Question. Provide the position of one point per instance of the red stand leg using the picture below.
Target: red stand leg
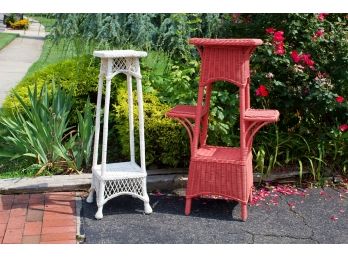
(251, 196)
(188, 206)
(244, 212)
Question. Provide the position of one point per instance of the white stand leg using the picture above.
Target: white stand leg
(100, 200)
(99, 213)
(90, 197)
(147, 207)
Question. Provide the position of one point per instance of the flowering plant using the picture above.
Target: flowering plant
(20, 24)
(306, 55)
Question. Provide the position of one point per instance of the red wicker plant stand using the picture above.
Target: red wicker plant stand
(224, 172)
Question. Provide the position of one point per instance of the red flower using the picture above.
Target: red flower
(339, 99)
(262, 91)
(270, 30)
(295, 56)
(280, 50)
(321, 16)
(306, 58)
(319, 32)
(343, 127)
(278, 36)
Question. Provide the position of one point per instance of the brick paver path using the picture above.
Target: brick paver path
(38, 218)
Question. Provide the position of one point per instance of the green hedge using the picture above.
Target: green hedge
(77, 75)
(166, 141)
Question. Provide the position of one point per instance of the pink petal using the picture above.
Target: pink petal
(291, 205)
(334, 218)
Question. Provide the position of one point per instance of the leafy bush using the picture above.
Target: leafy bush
(301, 70)
(166, 142)
(80, 76)
(302, 66)
(41, 131)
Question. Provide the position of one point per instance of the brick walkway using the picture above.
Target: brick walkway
(38, 218)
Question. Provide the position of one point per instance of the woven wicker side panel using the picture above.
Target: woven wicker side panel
(219, 179)
(125, 185)
(228, 64)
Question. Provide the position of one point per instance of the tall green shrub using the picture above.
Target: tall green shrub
(166, 142)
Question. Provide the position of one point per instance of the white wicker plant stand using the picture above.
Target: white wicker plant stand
(110, 180)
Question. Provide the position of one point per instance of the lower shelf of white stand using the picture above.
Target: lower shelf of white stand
(119, 170)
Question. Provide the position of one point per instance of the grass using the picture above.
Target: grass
(6, 38)
(52, 53)
(17, 168)
(44, 20)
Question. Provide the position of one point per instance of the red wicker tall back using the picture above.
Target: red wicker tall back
(214, 170)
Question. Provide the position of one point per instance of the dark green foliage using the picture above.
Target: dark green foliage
(166, 142)
(160, 32)
(307, 135)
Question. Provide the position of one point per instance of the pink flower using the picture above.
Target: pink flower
(278, 36)
(319, 32)
(321, 16)
(262, 91)
(343, 127)
(339, 99)
(322, 75)
(295, 56)
(270, 30)
(270, 75)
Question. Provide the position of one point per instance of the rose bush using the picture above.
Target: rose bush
(307, 57)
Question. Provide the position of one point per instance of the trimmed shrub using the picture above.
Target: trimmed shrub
(166, 142)
(77, 75)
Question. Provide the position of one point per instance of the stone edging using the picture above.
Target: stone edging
(80, 183)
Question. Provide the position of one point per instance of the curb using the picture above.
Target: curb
(156, 180)
(159, 179)
(80, 234)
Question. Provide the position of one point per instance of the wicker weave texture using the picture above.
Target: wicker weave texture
(220, 178)
(113, 179)
(224, 172)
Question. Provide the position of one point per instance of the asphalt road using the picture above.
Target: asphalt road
(319, 216)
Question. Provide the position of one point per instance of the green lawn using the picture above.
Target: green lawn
(53, 53)
(6, 38)
(44, 20)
